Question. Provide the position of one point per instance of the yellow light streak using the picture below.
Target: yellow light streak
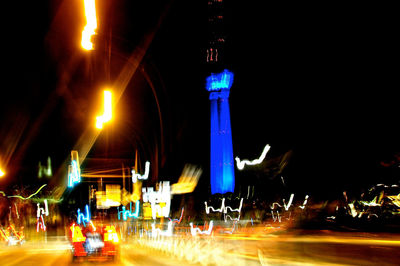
(107, 115)
(18, 196)
(2, 173)
(91, 24)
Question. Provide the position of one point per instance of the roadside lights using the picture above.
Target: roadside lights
(107, 114)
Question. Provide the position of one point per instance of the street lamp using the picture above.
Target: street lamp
(2, 173)
(107, 113)
(91, 24)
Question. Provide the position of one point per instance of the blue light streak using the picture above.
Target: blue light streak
(129, 213)
(82, 218)
(74, 175)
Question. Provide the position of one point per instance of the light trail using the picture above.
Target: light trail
(23, 198)
(241, 163)
(107, 114)
(158, 232)
(194, 231)
(91, 24)
(137, 176)
(223, 209)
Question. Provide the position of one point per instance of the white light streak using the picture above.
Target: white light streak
(241, 163)
(196, 230)
(158, 232)
(137, 176)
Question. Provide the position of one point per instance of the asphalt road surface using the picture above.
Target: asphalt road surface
(287, 248)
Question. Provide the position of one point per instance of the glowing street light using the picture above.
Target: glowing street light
(2, 173)
(107, 115)
(91, 24)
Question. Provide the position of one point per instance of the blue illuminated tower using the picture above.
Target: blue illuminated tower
(222, 173)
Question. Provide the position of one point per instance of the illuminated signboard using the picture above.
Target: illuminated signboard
(160, 200)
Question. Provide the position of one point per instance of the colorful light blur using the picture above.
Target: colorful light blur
(187, 181)
(177, 221)
(73, 174)
(91, 24)
(30, 196)
(222, 176)
(241, 163)
(111, 234)
(155, 232)
(160, 200)
(107, 112)
(77, 235)
(39, 216)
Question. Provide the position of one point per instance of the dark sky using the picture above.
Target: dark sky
(317, 80)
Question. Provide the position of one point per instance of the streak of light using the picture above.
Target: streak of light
(2, 173)
(137, 176)
(89, 136)
(178, 221)
(284, 203)
(91, 24)
(304, 203)
(18, 196)
(223, 208)
(194, 231)
(82, 217)
(158, 232)
(107, 113)
(187, 181)
(39, 216)
(129, 213)
(241, 163)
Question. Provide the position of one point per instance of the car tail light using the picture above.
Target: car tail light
(111, 234)
(77, 235)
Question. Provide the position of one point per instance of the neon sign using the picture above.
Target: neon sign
(82, 218)
(128, 213)
(39, 216)
(136, 176)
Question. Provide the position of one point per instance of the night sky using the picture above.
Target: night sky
(317, 81)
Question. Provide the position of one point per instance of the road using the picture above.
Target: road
(286, 248)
